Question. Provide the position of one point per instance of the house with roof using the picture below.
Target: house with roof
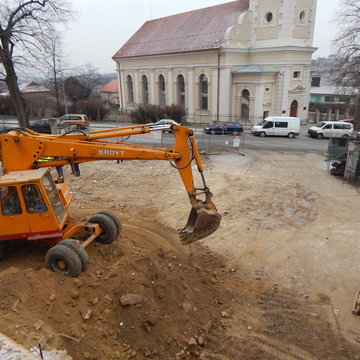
(110, 92)
(242, 60)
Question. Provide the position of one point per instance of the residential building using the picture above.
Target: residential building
(110, 92)
(243, 60)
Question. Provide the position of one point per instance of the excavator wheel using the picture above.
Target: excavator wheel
(114, 218)
(75, 245)
(108, 227)
(2, 249)
(64, 260)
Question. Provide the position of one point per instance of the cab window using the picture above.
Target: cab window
(327, 126)
(53, 196)
(33, 200)
(10, 202)
(268, 125)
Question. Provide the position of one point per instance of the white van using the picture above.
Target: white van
(278, 126)
(327, 129)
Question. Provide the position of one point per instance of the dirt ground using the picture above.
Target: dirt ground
(276, 281)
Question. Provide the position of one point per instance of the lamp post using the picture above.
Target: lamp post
(63, 87)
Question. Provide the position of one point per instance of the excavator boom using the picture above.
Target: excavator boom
(23, 150)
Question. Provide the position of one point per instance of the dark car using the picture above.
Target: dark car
(41, 126)
(224, 128)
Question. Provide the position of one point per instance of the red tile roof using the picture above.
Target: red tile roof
(201, 29)
(110, 87)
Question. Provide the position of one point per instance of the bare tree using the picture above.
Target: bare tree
(24, 25)
(88, 75)
(347, 57)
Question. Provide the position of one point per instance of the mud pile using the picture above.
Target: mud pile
(144, 296)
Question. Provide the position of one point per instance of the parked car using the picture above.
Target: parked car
(327, 129)
(41, 126)
(224, 128)
(81, 121)
(165, 122)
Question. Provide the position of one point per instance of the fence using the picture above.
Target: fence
(206, 142)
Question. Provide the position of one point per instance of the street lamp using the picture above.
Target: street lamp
(63, 87)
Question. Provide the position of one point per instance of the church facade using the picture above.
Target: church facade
(242, 60)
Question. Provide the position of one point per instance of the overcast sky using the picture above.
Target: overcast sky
(103, 26)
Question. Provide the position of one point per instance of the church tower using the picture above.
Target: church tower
(282, 22)
(281, 35)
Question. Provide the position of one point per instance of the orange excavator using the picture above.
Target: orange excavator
(34, 207)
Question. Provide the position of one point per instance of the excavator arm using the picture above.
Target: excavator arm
(22, 150)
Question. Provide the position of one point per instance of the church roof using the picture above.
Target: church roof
(255, 69)
(196, 30)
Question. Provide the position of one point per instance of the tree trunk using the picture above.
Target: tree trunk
(16, 96)
(13, 88)
(357, 115)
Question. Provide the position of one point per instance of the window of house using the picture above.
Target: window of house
(181, 90)
(297, 74)
(329, 98)
(269, 17)
(130, 88)
(162, 96)
(145, 89)
(245, 102)
(267, 89)
(204, 88)
(302, 17)
(344, 99)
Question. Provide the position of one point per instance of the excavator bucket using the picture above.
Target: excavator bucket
(201, 223)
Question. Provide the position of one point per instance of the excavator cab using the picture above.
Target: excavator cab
(31, 205)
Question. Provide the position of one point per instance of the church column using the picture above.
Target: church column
(190, 92)
(224, 98)
(137, 88)
(259, 102)
(214, 100)
(120, 76)
(152, 88)
(170, 86)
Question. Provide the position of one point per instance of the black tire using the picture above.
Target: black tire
(2, 249)
(75, 245)
(262, 134)
(114, 218)
(291, 135)
(345, 136)
(212, 132)
(107, 225)
(64, 260)
(319, 135)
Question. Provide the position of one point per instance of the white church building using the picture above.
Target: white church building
(242, 60)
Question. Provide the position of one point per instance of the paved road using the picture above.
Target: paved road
(247, 141)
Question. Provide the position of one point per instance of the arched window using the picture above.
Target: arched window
(204, 87)
(245, 102)
(181, 90)
(162, 96)
(130, 88)
(145, 89)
